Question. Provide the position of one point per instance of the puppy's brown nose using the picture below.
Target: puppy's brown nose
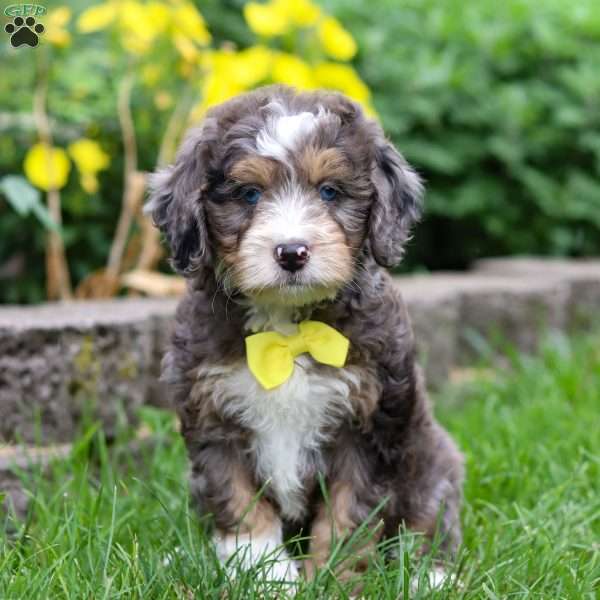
(292, 257)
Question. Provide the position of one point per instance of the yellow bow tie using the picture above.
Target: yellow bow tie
(270, 355)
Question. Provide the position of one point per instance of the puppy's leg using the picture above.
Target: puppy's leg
(247, 528)
(435, 496)
(257, 535)
(432, 501)
(423, 491)
(351, 498)
(334, 521)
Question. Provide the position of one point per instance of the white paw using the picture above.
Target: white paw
(246, 551)
(437, 577)
(169, 558)
(282, 569)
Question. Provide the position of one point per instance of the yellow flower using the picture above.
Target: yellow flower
(292, 70)
(89, 182)
(159, 15)
(189, 32)
(343, 78)
(229, 73)
(88, 155)
(47, 167)
(138, 27)
(89, 159)
(188, 22)
(97, 17)
(216, 89)
(267, 20)
(55, 23)
(300, 12)
(251, 66)
(138, 24)
(242, 69)
(278, 16)
(185, 47)
(336, 41)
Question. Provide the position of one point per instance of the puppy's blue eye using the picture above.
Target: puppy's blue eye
(252, 195)
(327, 193)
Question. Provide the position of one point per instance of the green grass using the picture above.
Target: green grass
(116, 524)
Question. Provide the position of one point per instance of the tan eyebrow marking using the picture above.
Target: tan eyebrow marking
(321, 164)
(255, 169)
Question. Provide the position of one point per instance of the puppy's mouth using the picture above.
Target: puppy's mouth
(295, 280)
(294, 289)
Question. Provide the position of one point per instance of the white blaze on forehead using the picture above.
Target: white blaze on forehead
(283, 133)
(288, 217)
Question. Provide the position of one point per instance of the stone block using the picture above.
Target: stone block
(61, 362)
(16, 460)
(494, 311)
(434, 316)
(582, 277)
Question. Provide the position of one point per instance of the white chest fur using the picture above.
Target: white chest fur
(288, 422)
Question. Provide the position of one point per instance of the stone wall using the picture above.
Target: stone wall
(499, 304)
(61, 364)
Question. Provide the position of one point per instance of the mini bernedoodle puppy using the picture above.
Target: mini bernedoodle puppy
(282, 210)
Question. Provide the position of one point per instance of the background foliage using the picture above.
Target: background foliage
(496, 104)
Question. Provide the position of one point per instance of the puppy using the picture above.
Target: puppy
(283, 209)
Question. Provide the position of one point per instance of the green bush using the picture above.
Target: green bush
(497, 105)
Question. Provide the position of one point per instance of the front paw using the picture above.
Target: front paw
(262, 551)
(349, 575)
(282, 569)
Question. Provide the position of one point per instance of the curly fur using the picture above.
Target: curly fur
(367, 429)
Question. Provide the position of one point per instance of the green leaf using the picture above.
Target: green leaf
(432, 156)
(25, 199)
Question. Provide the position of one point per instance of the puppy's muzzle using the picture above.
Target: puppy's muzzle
(292, 256)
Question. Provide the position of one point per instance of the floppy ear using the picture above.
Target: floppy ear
(397, 205)
(176, 202)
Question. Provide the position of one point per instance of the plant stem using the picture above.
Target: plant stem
(151, 250)
(58, 280)
(133, 187)
(176, 122)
